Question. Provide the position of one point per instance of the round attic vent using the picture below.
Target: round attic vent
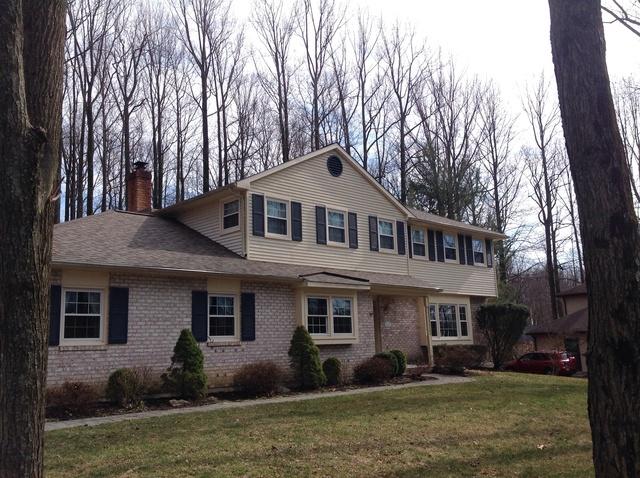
(334, 165)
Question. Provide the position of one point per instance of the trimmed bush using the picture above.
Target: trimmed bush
(402, 361)
(71, 399)
(185, 377)
(393, 360)
(373, 370)
(332, 368)
(127, 386)
(502, 325)
(259, 379)
(305, 360)
(456, 358)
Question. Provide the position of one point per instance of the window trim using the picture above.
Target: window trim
(393, 235)
(423, 243)
(455, 247)
(273, 235)
(83, 341)
(235, 228)
(236, 318)
(458, 337)
(345, 228)
(330, 326)
(484, 252)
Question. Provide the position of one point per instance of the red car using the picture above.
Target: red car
(549, 363)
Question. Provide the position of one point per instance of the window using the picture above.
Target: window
(433, 320)
(448, 323)
(330, 315)
(317, 316)
(335, 224)
(385, 234)
(464, 325)
(417, 236)
(450, 247)
(231, 214)
(222, 317)
(478, 251)
(277, 217)
(82, 314)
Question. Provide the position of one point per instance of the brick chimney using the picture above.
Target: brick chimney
(139, 188)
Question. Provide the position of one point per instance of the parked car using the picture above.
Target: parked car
(549, 363)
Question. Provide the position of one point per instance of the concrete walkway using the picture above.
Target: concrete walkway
(225, 405)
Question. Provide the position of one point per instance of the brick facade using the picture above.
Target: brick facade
(399, 326)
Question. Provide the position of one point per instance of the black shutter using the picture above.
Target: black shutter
(461, 249)
(353, 230)
(118, 315)
(247, 316)
(488, 246)
(257, 214)
(199, 315)
(321, 225)
(469, 246)
(296, 221)
(410, 239)
(432, 245)
(440, 246)
(373, 233)
(55, 305)
(401, 238)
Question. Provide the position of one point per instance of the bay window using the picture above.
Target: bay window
(330, 316)
(448, 321)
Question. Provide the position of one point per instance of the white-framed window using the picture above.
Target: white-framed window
(419, 246)
(277, 217)
(223, 317)
(330, 316)
(386, 238)
(336, 229)
(231, 215)
(449, 321)
(478, 251)
(82, 316)
(450, 250)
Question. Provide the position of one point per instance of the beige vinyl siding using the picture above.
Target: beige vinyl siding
(455, 278)
(310, 183)
(206, 219)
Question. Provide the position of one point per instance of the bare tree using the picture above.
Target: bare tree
(32, 36)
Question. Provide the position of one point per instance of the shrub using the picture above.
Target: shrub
(332, 368)
(71, 398)
(502, 324)
(402, 361)
(258, 379)
(305, 360)
(373, 370)
(456, 358)
(127, 386)
(393, 360)
(185, 376)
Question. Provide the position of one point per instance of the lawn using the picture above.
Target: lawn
(498, 425)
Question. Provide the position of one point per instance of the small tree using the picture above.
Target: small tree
(502, 325)
(186, 374)
(305, 360)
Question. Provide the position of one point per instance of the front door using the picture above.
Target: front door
(377, 317)
(572, 346)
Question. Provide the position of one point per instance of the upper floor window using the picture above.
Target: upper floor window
(417, 236)
(222, 316)
(329, 315)
(82, 318)
(478, 251)
(277, 217)
(231, 214)
(450, 251)
(336, 227)
(385, 234)
(448, 321)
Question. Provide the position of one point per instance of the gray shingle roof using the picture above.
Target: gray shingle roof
(572, 323)
(116, 239)
(445, 222)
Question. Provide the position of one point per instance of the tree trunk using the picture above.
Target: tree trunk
(609, 228)
(205, 132)
(31, 72)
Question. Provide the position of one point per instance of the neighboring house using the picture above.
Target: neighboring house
(314, 242)
(569, 332)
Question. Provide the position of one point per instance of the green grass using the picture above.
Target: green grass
(499, 425)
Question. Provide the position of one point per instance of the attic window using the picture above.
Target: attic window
(231, 214)
(334, 165)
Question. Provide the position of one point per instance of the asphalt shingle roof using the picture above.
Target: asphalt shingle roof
(572, 323)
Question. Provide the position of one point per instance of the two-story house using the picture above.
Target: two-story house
(315, 241)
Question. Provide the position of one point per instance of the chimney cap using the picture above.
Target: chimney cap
(140, 165)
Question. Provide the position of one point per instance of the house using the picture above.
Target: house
(569, 332)
(315, 241)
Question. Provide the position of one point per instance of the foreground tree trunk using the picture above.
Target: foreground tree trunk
(609, 228)
(31, 74)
